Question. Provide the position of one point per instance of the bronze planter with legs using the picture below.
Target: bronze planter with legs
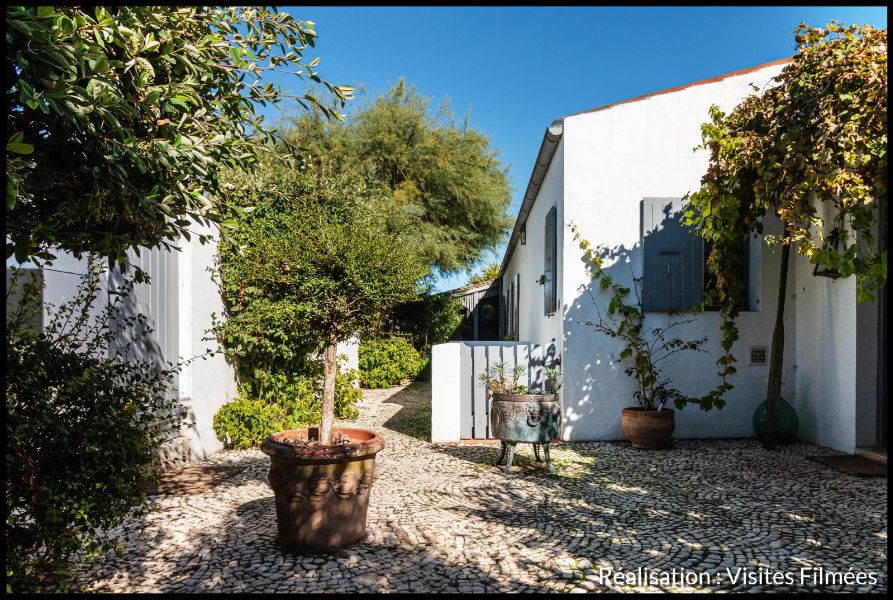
(322, 491)
(534, 418)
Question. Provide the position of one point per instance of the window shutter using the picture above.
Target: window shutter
(510, 313)
(673, 257)
(516, 330)
(549, 254)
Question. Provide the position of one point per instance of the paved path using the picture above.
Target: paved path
(442, 518)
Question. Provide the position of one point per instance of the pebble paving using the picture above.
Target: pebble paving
(717, 515)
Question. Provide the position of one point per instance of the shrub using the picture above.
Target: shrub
(280, 403)
(424, 372)
(387, 362)
(82, 429)
(431, 319)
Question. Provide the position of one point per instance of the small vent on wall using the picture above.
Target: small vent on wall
(758, 355)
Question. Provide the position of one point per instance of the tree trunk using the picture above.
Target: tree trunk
(328, 391)
(776, 358)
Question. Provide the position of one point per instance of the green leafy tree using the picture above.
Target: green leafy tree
(121, 118)
(813, 143)
(445, 185)
(489, 273)
(317, 253)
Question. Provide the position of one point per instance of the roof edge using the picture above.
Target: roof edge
(543, 160)
(679, 88)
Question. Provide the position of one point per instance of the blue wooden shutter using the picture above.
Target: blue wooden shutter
(673, 257)
(516, 330)
(549, 253)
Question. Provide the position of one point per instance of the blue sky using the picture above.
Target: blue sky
(517, 69)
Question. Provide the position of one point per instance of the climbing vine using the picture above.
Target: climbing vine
(643, 348)
(813, 143)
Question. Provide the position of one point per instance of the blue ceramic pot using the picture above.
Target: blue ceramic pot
(788, 422)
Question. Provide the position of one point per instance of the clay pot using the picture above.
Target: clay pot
(322, 491)
(648, 428)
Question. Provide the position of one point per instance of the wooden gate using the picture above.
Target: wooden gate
(476, 359)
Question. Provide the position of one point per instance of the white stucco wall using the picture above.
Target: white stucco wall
(212, 382)
(826, 358)
(613, 158)
(837, 358)
(528, 260)
(179, 303)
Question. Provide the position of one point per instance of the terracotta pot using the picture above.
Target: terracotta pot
(648, 428)
(322, 492)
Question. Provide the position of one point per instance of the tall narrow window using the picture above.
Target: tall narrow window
(550, 252)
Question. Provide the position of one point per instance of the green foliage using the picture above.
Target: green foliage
(428, 320)
(313, 264)
(279, 404)
(121, 118)
(488, 273)
(642, 349)
(246, 422)
(387, 362)
(316, 254)
(499, 379)
(81, 429)
(812, 143)
(445, 187)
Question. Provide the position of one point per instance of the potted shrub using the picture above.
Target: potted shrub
(517, 415)
(651, 423)
(327, 260)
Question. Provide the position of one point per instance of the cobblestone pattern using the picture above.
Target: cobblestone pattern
(442, 518)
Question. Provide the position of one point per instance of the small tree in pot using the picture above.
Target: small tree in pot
(651, 424)
(323, 253)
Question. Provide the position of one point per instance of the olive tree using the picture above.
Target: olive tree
(316, 251)
(121, 118)
(813, 142)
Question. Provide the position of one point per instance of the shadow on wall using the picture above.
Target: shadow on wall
(152, 346)
(596, 387)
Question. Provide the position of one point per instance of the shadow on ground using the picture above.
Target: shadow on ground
(414, 417)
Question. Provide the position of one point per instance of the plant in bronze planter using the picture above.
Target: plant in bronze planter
(517, 415)
(316, 250)
(651, 423)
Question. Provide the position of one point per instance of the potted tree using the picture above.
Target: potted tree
(651, 423)
(517, 415)
(329, 261)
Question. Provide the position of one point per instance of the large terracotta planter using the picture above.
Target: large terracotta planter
(534, 418)
(322, 492)
(648, 428)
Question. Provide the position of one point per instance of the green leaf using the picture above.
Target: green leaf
(20, 148)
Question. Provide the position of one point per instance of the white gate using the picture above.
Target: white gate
(460, 409)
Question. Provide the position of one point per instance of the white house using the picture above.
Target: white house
(179, 303)
(615, 172)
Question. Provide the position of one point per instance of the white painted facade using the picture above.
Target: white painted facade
(179, 303)
(606, 162)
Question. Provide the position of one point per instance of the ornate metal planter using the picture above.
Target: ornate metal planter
(532, 418)
(322, 492)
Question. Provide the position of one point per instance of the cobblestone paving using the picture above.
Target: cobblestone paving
(443, 518)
